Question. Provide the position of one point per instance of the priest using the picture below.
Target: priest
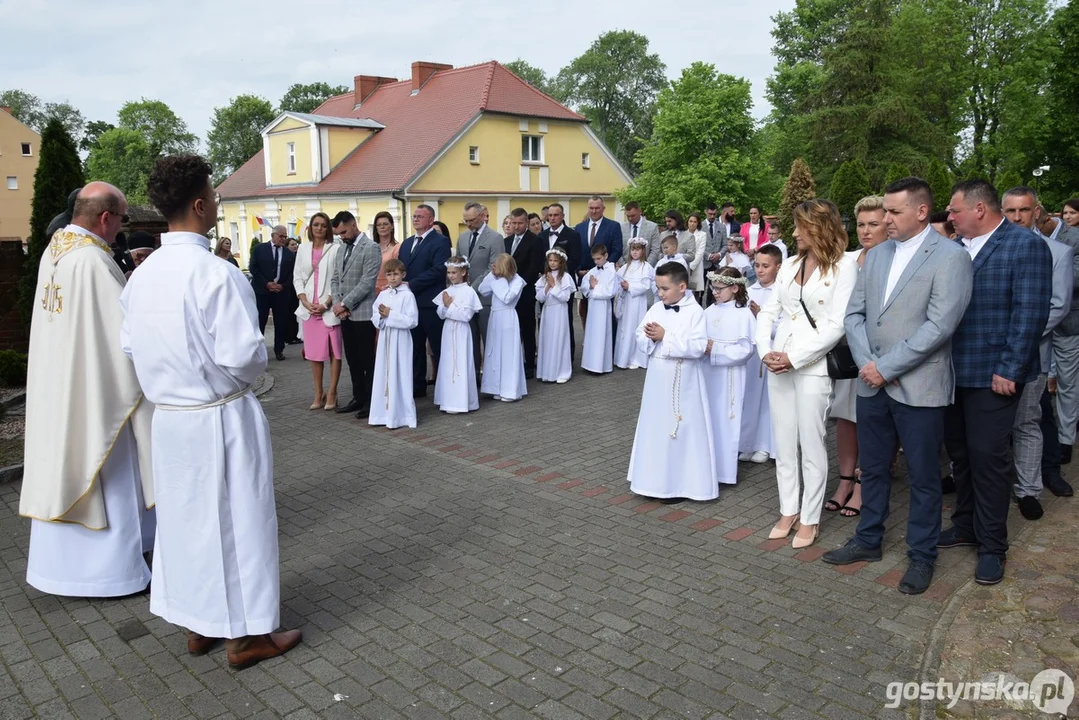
(86, 481)
(191, 327)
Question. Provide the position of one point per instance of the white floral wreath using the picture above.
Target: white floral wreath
(463, 264)
(638, 241)
(717, 279)
(558, 252)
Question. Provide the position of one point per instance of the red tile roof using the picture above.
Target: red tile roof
(418, 127)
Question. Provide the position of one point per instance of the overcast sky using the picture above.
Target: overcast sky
(196, 55)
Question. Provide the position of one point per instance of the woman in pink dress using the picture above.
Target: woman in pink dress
(320, 328)
(389, 246)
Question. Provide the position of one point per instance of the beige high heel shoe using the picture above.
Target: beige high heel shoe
(317, 405)
(783, 528)
(800, 542)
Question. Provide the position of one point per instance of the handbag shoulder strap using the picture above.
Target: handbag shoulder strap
(801, 289)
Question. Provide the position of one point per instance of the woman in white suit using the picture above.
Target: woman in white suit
(696, 268)
(810, 299)
(321, 329)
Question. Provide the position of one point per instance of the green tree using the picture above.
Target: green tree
(1062, 99)
(799, 187)
(849, 185)
(303, 98)
(614, 84)
(1009, 179)
(941, 180)
(531, 74)
(122, 157)
(236, 133)
(162, 130)
(58, 173)
(701, 145)
(35, 114)
(94, 130)
(896, 171)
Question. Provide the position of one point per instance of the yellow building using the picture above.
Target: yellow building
(19, 148)
(445, 137)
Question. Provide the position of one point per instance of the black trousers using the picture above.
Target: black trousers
(428, 331)
(278, 303)
(977, 435)
(358, 340)
(526, 318)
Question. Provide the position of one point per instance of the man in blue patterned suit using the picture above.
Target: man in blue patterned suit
(995, 352)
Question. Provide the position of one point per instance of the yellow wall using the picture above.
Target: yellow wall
(343, 141)
(288, 124)
(279, 174)
(499, 142)
(15, 204)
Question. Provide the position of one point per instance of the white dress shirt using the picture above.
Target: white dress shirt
(904, 251)
(593, 228)
(973, 246)
(552, 238)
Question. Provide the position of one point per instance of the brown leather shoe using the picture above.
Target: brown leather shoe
(247, 651)
(199, 644)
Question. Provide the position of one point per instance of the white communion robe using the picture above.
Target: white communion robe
(731, 330)
(630, 307)
(504, 357)
(87, 479)
(392, 404)
(672, 448)
(554, 360)
(455, 386)
(191, 328)
(756, 432)
(598, 353)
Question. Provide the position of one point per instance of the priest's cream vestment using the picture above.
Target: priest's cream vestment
(191, 328)
(87, 476)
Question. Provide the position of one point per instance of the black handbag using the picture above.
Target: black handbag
(840, 361)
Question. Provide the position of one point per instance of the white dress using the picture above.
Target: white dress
(503, 362)
(191, 328)
(554, 362)
(391, 390)
(756, 432)
(672, 448)
(738, 261)
(455, 386)
(630, 307)
(731, 330)
(598, 353)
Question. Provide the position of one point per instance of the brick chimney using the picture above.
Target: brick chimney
(422, 72)
(364, 85)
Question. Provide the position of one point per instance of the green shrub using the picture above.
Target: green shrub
(12, 368)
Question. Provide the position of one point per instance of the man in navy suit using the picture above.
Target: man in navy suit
(995, 353)
(425, 255)
(562, 236)
(271, 278)
(601, 230)
(530, 256)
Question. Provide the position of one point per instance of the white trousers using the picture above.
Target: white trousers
(799, 405)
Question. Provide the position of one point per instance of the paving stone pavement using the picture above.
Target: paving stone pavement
(495, 565)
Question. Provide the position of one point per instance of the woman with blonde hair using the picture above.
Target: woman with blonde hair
(224, 250)
(321, 328)
(810, 301)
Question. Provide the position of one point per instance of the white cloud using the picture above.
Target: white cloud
(196, 55)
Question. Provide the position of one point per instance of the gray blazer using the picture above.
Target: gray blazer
(647, 230)
(687, 246)
(1060, 303)
(909, 336)
(717, 242)
(1070, 237)
(353, 282)
(489, 245)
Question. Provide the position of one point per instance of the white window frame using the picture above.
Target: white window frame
(12, 182)
(27, 149)
(234, 232)
(292, 229)
(586, 160)
(291, 158)
(533, 141)
(474, 154)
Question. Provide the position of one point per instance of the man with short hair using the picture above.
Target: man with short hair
(543, 216)
(271, 267)
(528, 253)
(352, 285)
(675, 225)
(190, 327)
(995, 353)
(424, 254)
(596, 229)
(480, 245)
(562, 236)
(716, 245)
(87, 479)
(908, 301)
(637, 225)
(1020, 205)
(726, 215)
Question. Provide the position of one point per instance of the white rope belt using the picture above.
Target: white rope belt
(205, 406)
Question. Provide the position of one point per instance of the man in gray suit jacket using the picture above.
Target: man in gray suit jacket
(1020, 205)
(352, 286)
(480, 245)
(909, 299)
(636, 225)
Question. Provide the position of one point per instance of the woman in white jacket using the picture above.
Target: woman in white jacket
(696, 267)
(319, 327)
(810, 300)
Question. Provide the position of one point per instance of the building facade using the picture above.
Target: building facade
(19, 148)
(445, 137)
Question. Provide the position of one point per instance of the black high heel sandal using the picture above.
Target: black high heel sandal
(832, 505)
(850, 511)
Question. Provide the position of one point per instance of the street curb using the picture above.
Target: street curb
(11, 473)
(263, 385)
(17, 399)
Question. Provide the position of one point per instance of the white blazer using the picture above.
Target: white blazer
(825, 297)
(696, 267)
(303, 279)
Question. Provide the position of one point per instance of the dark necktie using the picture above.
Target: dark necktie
(472, 243)
(592, 234)
(634, 233)
(711, 228)
(348, 252)
(672, 307)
